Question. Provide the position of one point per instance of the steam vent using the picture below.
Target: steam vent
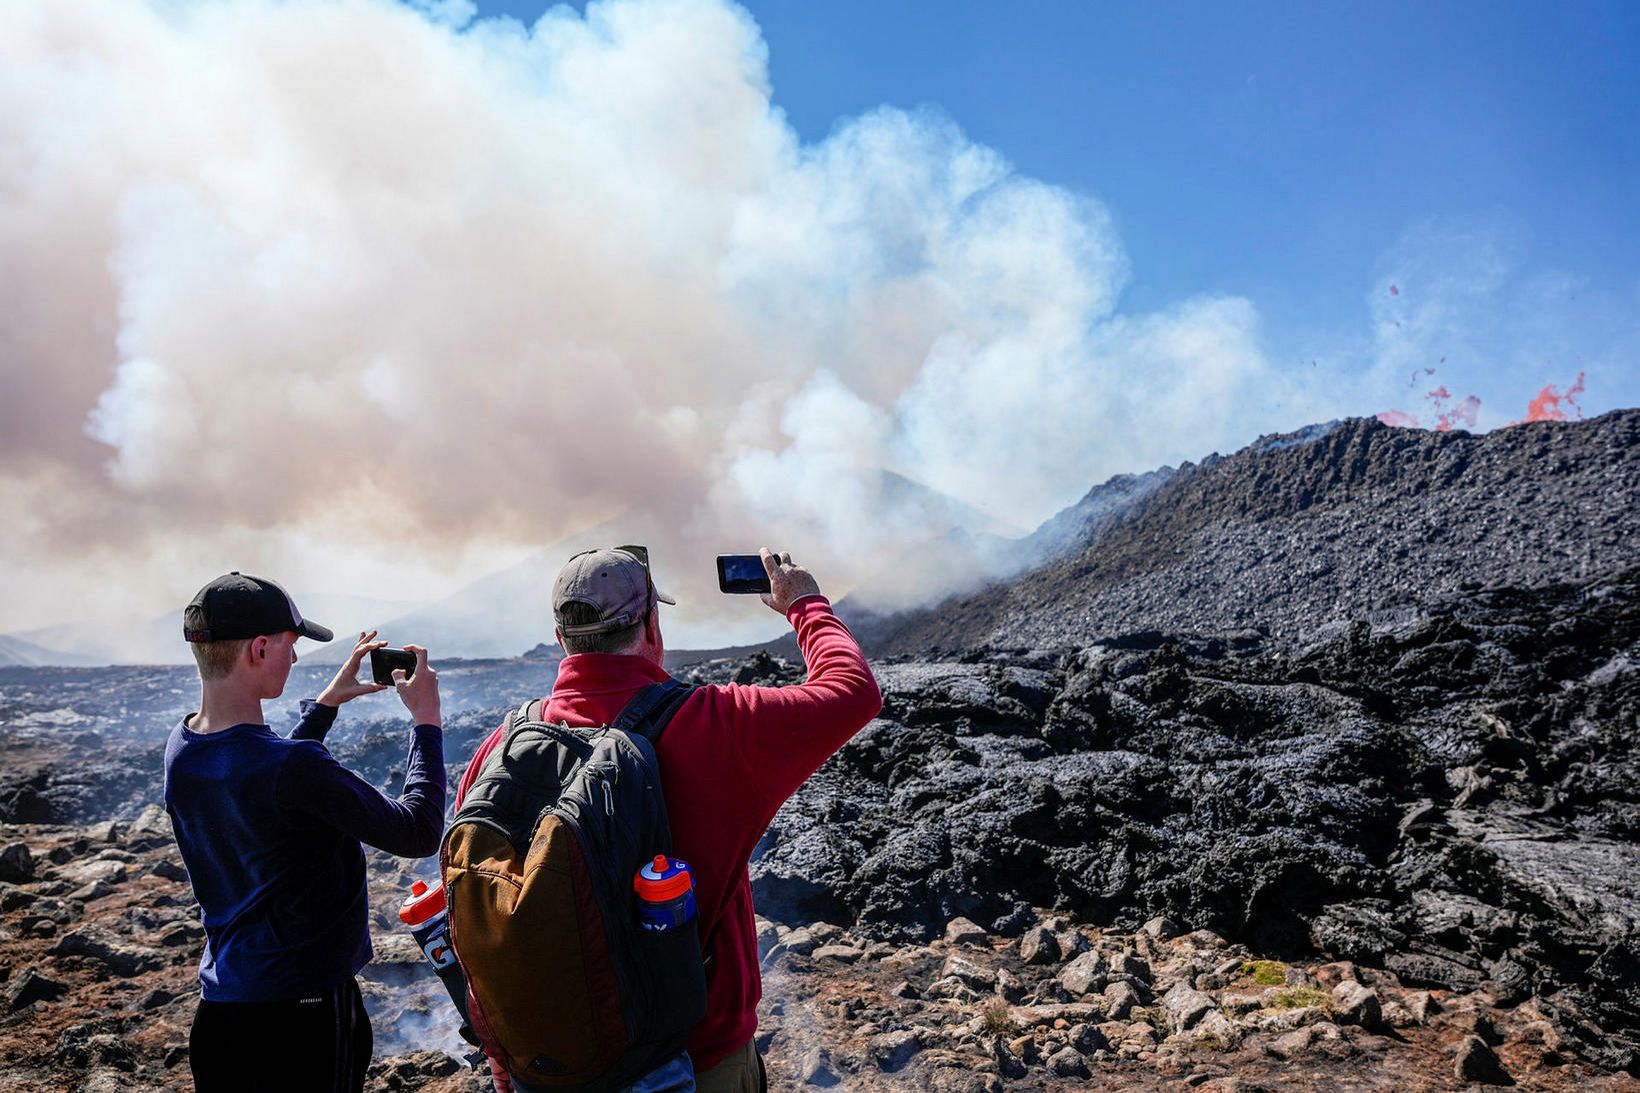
(1309, 766)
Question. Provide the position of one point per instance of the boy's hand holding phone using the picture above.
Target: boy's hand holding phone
(383, 661)
(346, 686)
(418, 689)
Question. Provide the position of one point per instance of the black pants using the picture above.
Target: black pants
(320, 1043)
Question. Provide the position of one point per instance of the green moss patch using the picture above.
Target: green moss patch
(1266, 973)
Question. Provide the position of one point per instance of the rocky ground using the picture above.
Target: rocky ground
(101, 939)
(1067, 1006)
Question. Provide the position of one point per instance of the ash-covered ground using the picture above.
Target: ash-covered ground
(1394, 756)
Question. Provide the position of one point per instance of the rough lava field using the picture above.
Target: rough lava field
(1313, 766)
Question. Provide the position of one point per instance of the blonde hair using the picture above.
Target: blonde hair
(217, 658)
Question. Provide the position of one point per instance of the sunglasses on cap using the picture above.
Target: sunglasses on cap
(641, 553)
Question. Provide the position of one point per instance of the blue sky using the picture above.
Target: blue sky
(1277, 151)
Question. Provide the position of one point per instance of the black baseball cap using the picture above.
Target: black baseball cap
(237, 605)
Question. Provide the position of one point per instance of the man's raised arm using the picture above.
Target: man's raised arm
(786, 733)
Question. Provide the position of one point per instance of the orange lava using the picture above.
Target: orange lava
(1546, 407)
(1399, 419)
(1461, 414)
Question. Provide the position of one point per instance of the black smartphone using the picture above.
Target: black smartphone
(741, 573)
(383, 661)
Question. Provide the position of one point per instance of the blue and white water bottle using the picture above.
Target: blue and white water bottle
(666, 893)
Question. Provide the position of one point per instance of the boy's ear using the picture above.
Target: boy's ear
(258, 649)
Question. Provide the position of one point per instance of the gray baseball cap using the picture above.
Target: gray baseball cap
(613, 580)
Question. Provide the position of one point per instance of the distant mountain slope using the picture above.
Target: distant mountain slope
(499, 615)
(1353, 518)
(962, 560)
(17, 653)
(1075, 526)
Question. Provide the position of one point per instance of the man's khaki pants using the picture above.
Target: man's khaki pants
(741, 1072)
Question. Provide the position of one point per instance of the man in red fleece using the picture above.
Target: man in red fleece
(729, 759)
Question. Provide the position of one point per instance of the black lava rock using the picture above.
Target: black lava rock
(16, 864)
(31, 987)
(1449, 797)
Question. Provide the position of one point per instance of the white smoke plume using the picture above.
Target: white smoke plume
(371, 296)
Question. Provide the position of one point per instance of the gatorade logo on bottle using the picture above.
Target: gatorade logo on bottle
(424, 912)
(666, 893)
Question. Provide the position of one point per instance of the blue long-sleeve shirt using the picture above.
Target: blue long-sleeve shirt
(269, 828)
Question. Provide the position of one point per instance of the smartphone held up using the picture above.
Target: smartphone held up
(383, 661)
(741, 574)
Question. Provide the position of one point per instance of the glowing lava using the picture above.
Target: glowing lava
(1399, 419)
(1546, 407)
(1462, 414)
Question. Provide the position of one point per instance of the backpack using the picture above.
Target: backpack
(568, 992)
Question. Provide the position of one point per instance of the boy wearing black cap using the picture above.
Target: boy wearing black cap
(270, 829)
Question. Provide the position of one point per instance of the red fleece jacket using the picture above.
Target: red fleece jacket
(729, 759)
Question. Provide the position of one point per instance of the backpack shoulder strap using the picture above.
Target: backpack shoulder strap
(650, 710)
(529, 712)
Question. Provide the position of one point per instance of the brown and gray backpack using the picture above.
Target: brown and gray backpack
(565, 987)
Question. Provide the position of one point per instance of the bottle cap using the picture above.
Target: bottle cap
(663, 879)
(423, 903)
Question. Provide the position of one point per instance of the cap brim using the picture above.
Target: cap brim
(664, 598)
(313, 630)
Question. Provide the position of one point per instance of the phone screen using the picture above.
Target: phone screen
(742, 573)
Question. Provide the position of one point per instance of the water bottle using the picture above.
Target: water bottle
(429, 921)
(666, 893)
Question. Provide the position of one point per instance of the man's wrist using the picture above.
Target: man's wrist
(805, 598)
